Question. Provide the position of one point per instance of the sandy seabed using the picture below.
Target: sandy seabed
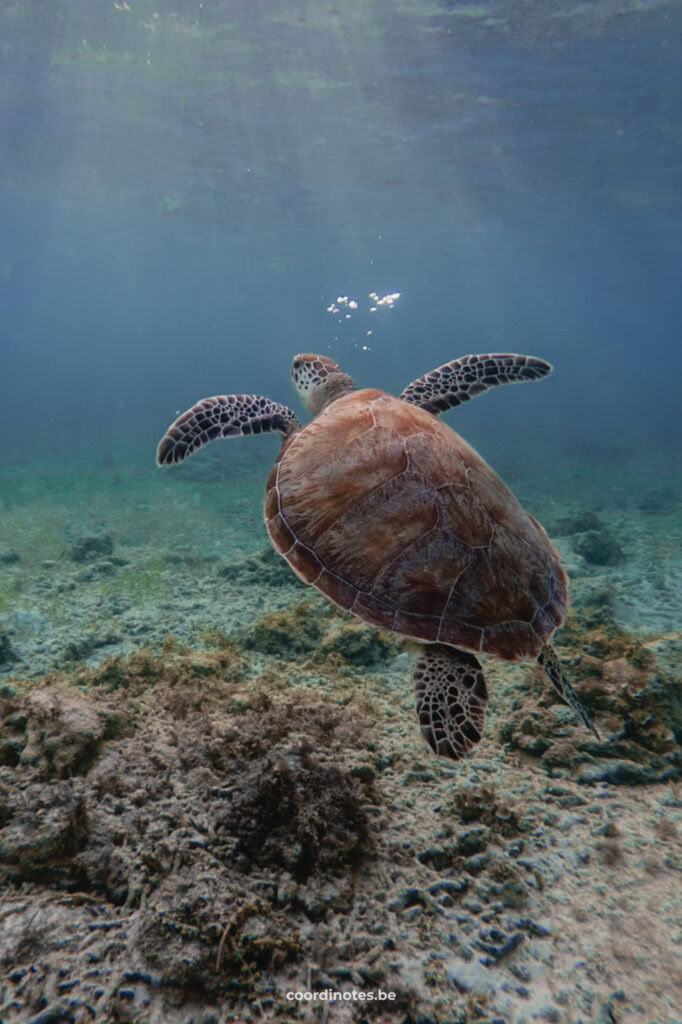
(213, 791)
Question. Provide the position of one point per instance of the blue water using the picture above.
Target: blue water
(186, 187)
(191, 192)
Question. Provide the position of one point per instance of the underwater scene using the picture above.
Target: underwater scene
(375, 717)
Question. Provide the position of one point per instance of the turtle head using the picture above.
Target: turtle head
(319, 381)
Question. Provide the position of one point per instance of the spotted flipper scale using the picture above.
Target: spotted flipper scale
(451, 698)
(462, 379)
(552, 666)
(222, 416)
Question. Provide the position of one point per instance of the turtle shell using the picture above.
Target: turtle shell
(394, 517)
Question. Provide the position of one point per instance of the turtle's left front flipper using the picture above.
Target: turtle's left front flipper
(552, 666)
(223, 416)
(451, 695)
(464, 378)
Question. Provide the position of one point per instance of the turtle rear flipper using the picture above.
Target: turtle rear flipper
(464, 378)
(222, 416)
(552, 666)
(451, 696)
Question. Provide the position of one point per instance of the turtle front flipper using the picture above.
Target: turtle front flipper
(552, 666)
(464, 378)
(222, 416)
(451, 696)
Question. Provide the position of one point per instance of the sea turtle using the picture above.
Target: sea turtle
(395, 518)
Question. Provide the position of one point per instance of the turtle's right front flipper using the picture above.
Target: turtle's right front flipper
(222, 416)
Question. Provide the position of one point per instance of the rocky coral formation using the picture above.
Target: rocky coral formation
(579, 521)
(194, 816)
(312, 632)
(89, 548)
(265, 569)
(183, 836)
(632, 689)
(659, 501)
(355, 643)
(7, 652)
(286, 634)
(599, 547)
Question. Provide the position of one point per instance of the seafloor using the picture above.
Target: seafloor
(213, 790)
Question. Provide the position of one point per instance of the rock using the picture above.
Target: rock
(438, 857)
(406, 898)
(267, 568)
(373, 975)
(7, 652)
(578, 522)
(673, 861)
(409, 898)
(54, 1015)
(594, 604)
(659, 501)
(475, 865)
(80, 649)
(622, 773)
(46, 828)
(357, 644)
(286, 634)
(471, 977)
(548, 1013)
(90, 548)
(482, 804)
(279, 814)
(505, 884)
(632, 689)
(497, 944)
(418, 776)
(599, 547)
(527, 924)
(473, 840)
(59, 733)
(449, 885)
(364, 772)
(105, 567)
